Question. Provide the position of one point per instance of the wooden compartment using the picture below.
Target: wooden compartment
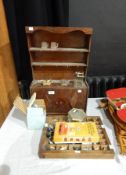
(66, 62)
(102, 150)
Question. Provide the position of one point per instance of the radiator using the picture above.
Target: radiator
(99, 84)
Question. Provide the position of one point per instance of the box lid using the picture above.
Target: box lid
(58, 52)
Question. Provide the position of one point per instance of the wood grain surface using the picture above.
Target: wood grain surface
(8, 80)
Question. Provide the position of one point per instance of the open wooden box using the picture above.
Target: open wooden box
(59, 61)
(100, 150)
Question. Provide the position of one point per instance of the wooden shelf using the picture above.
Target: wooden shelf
(33, 49)
(57, 64)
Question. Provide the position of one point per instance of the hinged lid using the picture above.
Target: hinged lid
(58, 52)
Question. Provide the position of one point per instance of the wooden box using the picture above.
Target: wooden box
(102, 149)
(59, 61)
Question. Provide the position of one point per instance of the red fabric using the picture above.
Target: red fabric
(122, 114)
(116, 93)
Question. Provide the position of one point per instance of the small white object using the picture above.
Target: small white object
(51, 92)
(44, 45)
(54, 45)
(77, 151)
(46, 125)
(79, 90)
(31, 28)
(111, 146)
(123, 106)
(74, 110)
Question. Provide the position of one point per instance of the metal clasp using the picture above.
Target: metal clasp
(79, 74)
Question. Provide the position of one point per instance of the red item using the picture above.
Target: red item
(113, 94)
(116, 93)
(122, 114)
(63, 129)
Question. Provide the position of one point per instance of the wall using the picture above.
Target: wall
(8, 81)
(108, 19)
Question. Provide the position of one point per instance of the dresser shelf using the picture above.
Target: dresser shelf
(34, 49)
(57, 64)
